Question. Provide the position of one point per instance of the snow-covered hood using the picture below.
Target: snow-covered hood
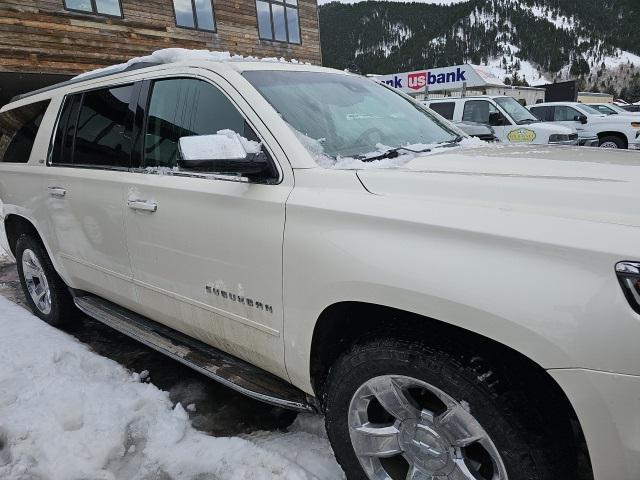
(570, 182)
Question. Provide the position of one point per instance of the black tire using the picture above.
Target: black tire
(609, 141)
(63, 310)
(531, 446)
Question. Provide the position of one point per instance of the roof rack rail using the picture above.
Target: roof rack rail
(90, 76)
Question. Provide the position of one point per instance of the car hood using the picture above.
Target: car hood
(584, 183)
(549, 128)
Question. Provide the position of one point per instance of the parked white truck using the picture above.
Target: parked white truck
(471, 313)
(511, 122)
(613, 131)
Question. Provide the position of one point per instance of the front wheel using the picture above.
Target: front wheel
(45, 291)
(612, 142)
(398, 410)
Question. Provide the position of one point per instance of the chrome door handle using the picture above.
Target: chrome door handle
(142, 205)
(57, 192)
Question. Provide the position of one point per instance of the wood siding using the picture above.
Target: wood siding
(40, 36)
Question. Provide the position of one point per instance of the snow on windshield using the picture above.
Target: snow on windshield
(314, 147)
(171, 55)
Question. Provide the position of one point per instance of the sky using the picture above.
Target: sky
(440, 2)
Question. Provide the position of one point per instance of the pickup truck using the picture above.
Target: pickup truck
(613, 131)
(511, 122)
(323, 243)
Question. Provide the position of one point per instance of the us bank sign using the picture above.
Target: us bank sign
(436, 79)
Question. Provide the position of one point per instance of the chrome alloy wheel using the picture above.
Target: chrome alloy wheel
(36, 281)
(609, 144)
(403, 428)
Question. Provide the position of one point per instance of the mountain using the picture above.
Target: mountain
(526, 41)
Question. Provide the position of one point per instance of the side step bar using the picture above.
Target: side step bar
(215, 364)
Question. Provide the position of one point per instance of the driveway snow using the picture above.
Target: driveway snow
(67, 413)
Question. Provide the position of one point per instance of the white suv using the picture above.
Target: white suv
(613, 131)
(473, 312)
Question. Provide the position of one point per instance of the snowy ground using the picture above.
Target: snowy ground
(67, 413)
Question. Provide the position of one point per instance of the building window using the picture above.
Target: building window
(278, 20)
(111, 8)
(196, 14)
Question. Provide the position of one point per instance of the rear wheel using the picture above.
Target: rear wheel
(46, 293)
(612, 142)
(399, 410)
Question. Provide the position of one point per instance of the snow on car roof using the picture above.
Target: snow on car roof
(173, 55)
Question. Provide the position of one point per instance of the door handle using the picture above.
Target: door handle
(142, 205)
(57, 192)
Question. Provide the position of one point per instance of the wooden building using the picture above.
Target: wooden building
(46, 41)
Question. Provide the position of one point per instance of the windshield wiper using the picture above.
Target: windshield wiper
(393, 153)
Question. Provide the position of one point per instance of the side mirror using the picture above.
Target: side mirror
(580, 118)
(221, 153)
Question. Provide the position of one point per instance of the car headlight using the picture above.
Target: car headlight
(629, 278)
(562, 137)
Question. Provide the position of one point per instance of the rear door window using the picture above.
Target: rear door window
(18, 130)
(102, 137)
(544, 114)
(445, 109)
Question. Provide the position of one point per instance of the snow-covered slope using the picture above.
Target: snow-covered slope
(534, 40)
(68, 413)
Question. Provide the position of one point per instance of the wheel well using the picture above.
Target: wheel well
(619, 135)
(14, 226)
(344, 324)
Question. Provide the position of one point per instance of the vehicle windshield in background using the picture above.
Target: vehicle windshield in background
(519, 114)
(590, 109)
(605, 109)
(347, 115)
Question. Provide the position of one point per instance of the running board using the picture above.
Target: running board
(215, 364)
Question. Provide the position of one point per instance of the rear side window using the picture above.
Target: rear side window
(18, 130)
(183, 107)
(93, 129)
(543, 113)
(101, 138)
(445, 109)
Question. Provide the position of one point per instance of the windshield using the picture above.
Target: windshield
(347, 115)
(519, 114)
(605, 109)
(590, 109)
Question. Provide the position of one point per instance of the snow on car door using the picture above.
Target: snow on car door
(206, 251)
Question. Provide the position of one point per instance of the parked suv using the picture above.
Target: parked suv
(613, 131)
(472, 312)
(511, 122)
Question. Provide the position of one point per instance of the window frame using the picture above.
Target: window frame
(141, 107)
(94, 10)
(129, 127)
(194, 15)
(286, 5)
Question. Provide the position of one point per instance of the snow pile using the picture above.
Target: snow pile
(172, 55)
(68, 413)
